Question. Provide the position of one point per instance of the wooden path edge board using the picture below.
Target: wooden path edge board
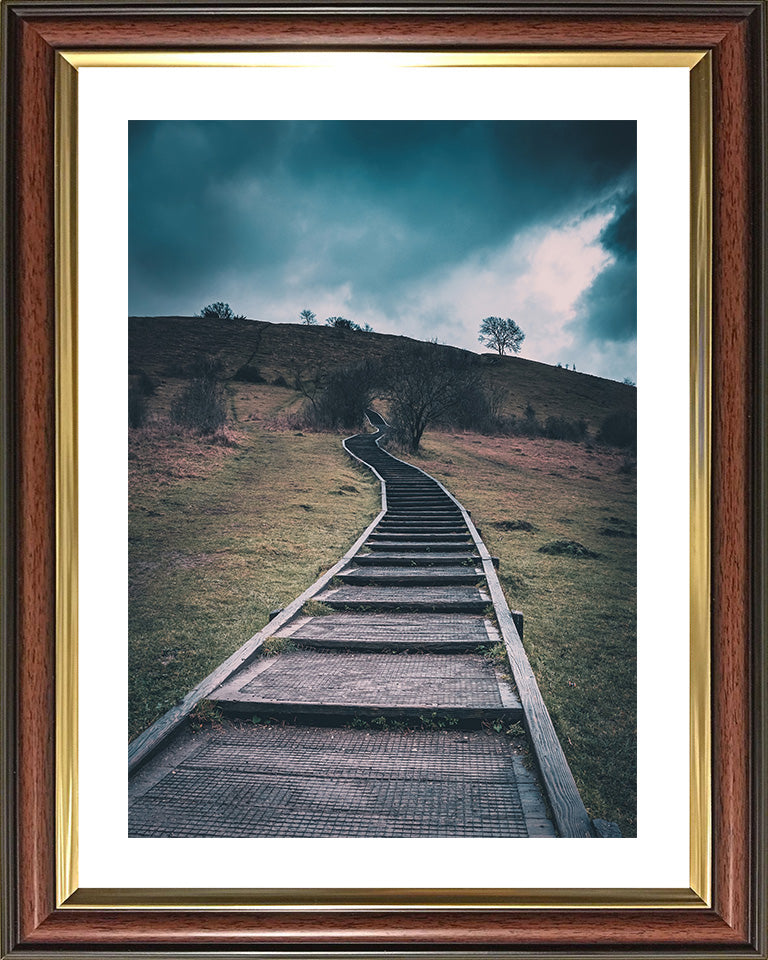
(370, 469)
(568, 809)
(147, 743)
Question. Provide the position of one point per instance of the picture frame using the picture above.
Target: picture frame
(43, 910)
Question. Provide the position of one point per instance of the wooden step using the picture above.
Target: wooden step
(437, 546)
(404, 576)
(419, 537)
(439, 523)
(393, 631)
(287, 781)
(419, 489)
(400, 559)
(338, 686)
(437, 526)
(409, 511)
(406, 526)
(412, 501)
(463, 599)
(423, 508)
(413, 516)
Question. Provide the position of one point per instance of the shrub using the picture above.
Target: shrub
(280, 381)
(144, 383)
(473, 410)
(219, 311)
(174, 369)
(514, 525)
(342, 400)
(559, 428)
(206, 367)
(202, 404)
(341, 323)
(616, 532)
(619, 429)
(527, 426)
(248, 373)
(137, 407)
(223, 437)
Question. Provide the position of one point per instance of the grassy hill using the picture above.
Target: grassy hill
(165, 347)
(225, 528)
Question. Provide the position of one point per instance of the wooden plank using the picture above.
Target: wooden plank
(326, 710)
(410, 575)
(410, 627)
(395, 558)
(427, 538)
(439, 546)
(338, 783)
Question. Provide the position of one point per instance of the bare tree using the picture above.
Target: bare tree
(345, 395)
(335, 398)
(498, 397)
(501, 335)
(307, 380)
(426, 382)
(308, 317)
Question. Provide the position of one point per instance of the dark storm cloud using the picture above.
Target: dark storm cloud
(280, 211)
(185, 218)
(375, 202)
(607, 310)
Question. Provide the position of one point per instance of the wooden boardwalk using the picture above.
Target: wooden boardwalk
(396, 714)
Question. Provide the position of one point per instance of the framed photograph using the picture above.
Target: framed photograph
(189, 191)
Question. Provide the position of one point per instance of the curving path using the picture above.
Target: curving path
(396, 715)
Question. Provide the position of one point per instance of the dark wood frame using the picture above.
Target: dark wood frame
(735, 32)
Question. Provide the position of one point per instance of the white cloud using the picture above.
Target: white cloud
(536, 279)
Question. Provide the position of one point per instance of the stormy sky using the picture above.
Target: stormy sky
(418, 228)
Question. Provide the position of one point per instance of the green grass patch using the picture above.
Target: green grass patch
(273, 646)
(568, 548)
(205, 714)
(497, 654)
(314, 608)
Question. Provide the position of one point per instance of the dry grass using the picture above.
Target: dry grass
(247, 402)
(163, 453)
(580, 613)
(221, 536)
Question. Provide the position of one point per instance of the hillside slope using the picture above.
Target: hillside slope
(165, 347)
